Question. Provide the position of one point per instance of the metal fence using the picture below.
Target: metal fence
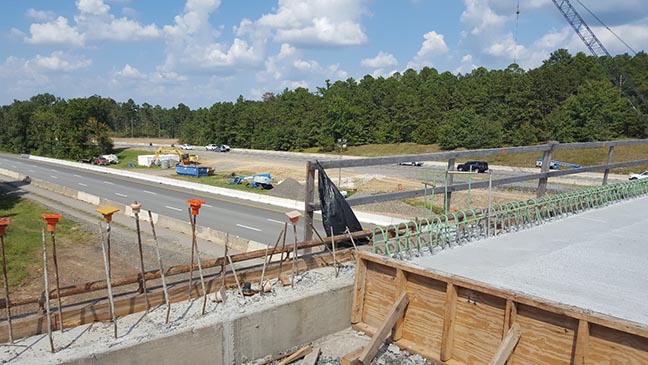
(473, 224)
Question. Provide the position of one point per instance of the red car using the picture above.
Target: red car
(100, 161)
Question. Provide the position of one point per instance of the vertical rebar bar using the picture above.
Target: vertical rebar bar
(164, 286)
(238, 284)
(6, 288)
(58, 286)
(333, 247)
(193, 234)
(106, 259)
(224, 265)
(294, 260)
(47, 298)
(194, 247)
(283, 245)
(141, 255)
(265, 262)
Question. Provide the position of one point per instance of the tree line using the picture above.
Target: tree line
(567, 99)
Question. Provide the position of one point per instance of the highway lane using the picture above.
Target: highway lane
(249, 220)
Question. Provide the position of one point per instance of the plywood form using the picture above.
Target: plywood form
(551, 333)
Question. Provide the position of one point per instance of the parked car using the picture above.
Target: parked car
(411, 163)
(101, 161)
(212, 147)
(224, 148)
(475, 166)
(186, 146)
(643, 175)
(113, 159)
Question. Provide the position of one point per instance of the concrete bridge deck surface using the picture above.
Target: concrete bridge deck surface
(596, 260)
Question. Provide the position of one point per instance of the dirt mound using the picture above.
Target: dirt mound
(289, 189)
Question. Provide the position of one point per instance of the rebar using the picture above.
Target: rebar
(47, 298)
(141, 255)
(58, 286)
(6, 288)
(106, 260)
(194, 247)
(161, 267)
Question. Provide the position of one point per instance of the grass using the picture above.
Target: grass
(221, 181)
(127, 156)
(23, 242)
(418, 202)
(584, 157)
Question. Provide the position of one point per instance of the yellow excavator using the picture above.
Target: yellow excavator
(185, 158)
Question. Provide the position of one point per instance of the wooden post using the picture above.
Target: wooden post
(401, 287)
(359, 291)
(448, 195)
(447, 337)
(309, 198)
(546, 164)
(582, 342)
(609, 161)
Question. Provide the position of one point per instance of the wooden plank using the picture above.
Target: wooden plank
(449, 322)
(353, 357)
(608, 346)
(380, 293)
(425, 312)
(311, 359)
(359, 290)
(507, 346)
(297, 355)
(401, 287)
(478, 326)
(582, 343)
(388, 323)
(555, 307)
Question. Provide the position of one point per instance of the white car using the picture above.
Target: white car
(186, 146)
(643, 175)
(212, 147)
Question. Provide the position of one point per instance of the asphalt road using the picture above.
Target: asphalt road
(253, 221)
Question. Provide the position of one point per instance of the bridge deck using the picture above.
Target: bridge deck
(597, 260)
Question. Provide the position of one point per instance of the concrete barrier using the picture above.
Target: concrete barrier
(259, 198)
(242, 337)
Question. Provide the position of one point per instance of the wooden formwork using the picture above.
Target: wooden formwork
(454, 320)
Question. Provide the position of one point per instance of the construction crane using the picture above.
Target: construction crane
(620, 79)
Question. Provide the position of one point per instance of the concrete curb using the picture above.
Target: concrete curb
(258, 198)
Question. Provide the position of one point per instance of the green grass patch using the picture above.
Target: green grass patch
(23, 241)
(418, 202)
(129, 156)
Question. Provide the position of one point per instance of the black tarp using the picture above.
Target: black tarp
(336, 212)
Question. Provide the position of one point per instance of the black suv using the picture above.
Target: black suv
(478, 166)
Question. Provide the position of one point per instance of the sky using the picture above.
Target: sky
(199, 52)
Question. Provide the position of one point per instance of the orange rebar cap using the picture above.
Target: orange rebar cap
(107, 211)
(4, 222)
(51, 219)
(294, 216)
(136, 207)
(195, 205)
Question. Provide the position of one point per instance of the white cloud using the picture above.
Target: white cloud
(432, 47)
(59, 61)
(93, 22)
(129, 72)
(191, 41)
(317, 22)
(466, 65)
(55, 32)
(40, 15)
(380, 61)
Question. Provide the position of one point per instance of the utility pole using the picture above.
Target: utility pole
(341, 142)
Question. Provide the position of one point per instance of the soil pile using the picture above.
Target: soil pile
(289, 189)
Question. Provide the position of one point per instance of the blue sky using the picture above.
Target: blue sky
(199, 52)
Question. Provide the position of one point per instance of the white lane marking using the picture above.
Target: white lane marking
(108, 182)
(53, 177)
(274, 220)
(208, 206)
(82, 184)
(122, 195)
(54, 170)
(248, 227)
(14, 166)
(78, 176)
(173, 208)
(32, 171)
(150, 192)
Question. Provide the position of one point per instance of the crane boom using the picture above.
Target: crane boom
(619, 79)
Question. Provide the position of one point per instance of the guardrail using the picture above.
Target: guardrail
(468, 225)
(310, 206)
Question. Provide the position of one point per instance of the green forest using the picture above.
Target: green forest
(567, 99)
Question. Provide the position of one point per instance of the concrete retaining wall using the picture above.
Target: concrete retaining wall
(246, 337)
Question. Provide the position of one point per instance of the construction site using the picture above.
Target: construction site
(556, 278)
